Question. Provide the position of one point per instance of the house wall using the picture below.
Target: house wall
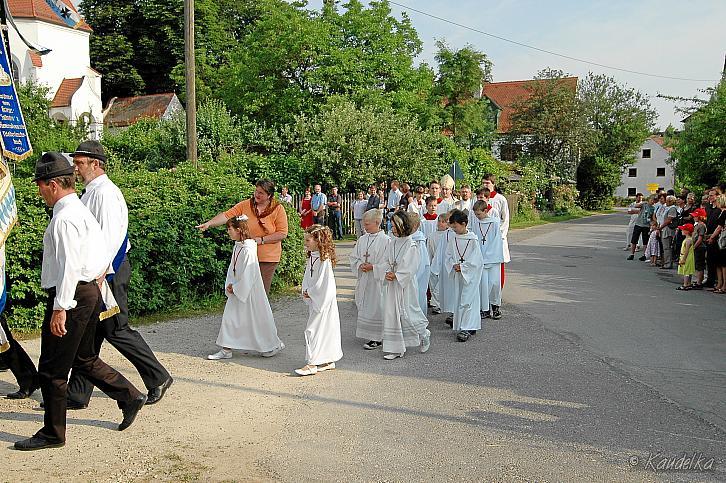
(646, 171)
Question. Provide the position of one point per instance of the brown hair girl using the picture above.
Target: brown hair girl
(323, 237)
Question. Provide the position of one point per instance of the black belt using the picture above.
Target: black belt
(81, 283)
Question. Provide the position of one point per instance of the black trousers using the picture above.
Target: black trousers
(18, 361)
(712, 254)
(75, 350)
(126, 340)
(640, 231)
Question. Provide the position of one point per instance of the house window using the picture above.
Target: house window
(510, 151)
(632, 172)
(631, 191)
(660, 172)
(646, 154)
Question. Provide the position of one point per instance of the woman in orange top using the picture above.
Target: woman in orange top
(267, 224)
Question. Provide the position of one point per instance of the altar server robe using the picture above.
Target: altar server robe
(491, 244)
(424, 269)
(404, 323)
(440, 270)
(464, 285)
(247, 321)
(499, 202)
(432, 242)
(369, 290)
(322, 334)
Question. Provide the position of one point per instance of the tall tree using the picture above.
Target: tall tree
(551, 122)
(618, 119)
(461, 74)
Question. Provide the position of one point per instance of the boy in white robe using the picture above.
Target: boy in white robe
(247, 321)
(424, 267)
(464, 268)
(485, 226)
(404, 324)
(369, 250)
(432, 243)
(430, 218)
(323, 346)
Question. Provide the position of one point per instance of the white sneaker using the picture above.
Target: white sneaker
(222, 354)
(392, 355)
(426, 341)
(275, 351)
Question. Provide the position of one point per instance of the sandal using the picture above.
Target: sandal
(307, 370)
(685, 287)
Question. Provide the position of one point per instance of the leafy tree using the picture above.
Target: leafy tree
(458, 88)
(700, 150)
(618, 119)
(551, 121)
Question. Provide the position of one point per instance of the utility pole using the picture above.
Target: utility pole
(190, 75)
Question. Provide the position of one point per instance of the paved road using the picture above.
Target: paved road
(574, 278)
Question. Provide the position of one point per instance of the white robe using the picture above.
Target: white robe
(368, 289)
(322, 334)
(492, 250)
(464, 284)
(404, 324)
(428, 227)
(432, 242)
(499, 202)
(247, 321)
(439, 269)
(445, 206)
(424, 269)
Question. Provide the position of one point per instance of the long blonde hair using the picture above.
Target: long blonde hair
(323, 237)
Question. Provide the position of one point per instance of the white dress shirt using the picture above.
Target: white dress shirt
(108, 205)
(72, 250)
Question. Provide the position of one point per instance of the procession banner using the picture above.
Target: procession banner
(13, 134)
(67, 14)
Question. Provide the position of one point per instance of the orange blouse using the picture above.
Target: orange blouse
(276, 222)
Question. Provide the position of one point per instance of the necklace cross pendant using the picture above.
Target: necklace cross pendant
(366, 256)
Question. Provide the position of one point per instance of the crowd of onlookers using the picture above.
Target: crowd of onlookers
(684, 231)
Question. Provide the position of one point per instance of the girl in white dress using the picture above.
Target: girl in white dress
(247, 322)
(322, 334)
(369, 250)
(404, 324)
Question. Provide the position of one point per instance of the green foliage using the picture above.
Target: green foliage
(701, 148)
(564, 198)
(597, 178)
(147, 144)
(173, 264)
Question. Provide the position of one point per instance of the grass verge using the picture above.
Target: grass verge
(535, 219)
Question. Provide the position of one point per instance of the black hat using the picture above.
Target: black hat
(92, 149)
(52, 165)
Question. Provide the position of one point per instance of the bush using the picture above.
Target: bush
(173, 264)
(597, 179)
(564, 199)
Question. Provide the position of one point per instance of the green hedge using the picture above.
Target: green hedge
(173, 264)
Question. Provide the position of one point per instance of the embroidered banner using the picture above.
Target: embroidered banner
(13, 134)
(69, 16)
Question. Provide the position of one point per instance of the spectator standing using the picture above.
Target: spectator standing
(394, 198)
(642, 225)
(720, 249)
(306, 210)
(668, 231)
(360, 206)
(318, 204)
(633, 212)
(712, 251)
(285, 195)
(336, 214)
(374, 201)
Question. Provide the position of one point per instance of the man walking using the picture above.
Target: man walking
(107, 204)
(71, 265)
(318, 205)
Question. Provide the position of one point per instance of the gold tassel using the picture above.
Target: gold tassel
(5, 347)
(106, 314)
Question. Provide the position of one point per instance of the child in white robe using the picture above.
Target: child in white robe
(404, 324)
(369, 250)
(322, 334)
(247, 321)
(464, 266)
(432, 243)
(440, 269)
(429, 218)
(424, 267)
(485, 226)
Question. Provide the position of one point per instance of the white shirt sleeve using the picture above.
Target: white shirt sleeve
(70, 261)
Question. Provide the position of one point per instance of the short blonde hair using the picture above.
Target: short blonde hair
(415, 220)
(373, 215)
(721, 201)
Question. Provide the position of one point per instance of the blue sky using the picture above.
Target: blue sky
(666, 37)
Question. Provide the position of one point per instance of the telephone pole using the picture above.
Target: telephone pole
(190, 75)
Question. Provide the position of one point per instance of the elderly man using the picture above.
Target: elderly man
(668, 230)
(319, 204)
(71, 266)
(103, 198)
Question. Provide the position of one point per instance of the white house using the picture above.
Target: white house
(652, 170)
(75, 88)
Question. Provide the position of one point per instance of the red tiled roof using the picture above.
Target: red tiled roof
(660, 141)
(505, 94)
(65, 92)
(39, 9)
(36, 59)
(125, 111)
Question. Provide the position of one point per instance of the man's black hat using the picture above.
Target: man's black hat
(52, 165)
(92, 149)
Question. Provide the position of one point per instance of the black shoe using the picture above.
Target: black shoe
(22, 393)
(485, 314)
(157, 393)
(450, 321)
(472, 332)
(642, 259)
(496, 313)
(372, 344)
(631, 257)
(463, 336)
(436, 311)
(130, 411)
(34, 443)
